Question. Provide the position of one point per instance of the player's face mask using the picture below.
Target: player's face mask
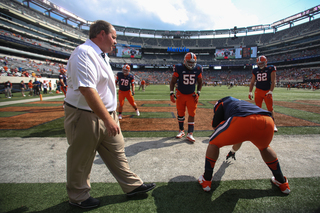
(126, 69)
(190, 60)
(262, 62)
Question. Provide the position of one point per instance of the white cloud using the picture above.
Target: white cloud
(222, 15)
(168, 11)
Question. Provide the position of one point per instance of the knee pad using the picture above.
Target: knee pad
(181, 118)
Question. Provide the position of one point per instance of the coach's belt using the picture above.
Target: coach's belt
(69, 105)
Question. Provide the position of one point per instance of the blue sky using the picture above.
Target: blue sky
(186, 14)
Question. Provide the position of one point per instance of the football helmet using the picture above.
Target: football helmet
(126, 69)
(190, 60)
(262, 61)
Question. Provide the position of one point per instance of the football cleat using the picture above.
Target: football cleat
(284, 187)
(137, 112)
(181, 134)
(275, 129)
(120, 117)
(190, 137)
(206, 184)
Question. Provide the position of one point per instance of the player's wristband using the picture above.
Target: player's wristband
(198, 92)
(171, 93)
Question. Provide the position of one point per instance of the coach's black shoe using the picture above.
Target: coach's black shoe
(87, 204)
(142, 189)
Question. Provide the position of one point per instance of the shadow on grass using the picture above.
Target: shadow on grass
(189, 196)
(136, 148)
(65, 207)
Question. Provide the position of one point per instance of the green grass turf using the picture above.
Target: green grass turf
(10, 114)
(161, 92)
(226, 196)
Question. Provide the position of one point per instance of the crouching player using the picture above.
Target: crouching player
(236, 121)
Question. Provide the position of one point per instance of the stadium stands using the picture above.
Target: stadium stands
(28, 35)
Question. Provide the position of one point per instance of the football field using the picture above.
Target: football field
(32, 170)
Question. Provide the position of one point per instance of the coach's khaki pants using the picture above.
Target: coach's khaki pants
(86, 134)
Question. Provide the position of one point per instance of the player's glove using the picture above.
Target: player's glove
(196, 97)
(250, 96)
(269, 94)
(231, 155)
(132, 93)
(172, 97)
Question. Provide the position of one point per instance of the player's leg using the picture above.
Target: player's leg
(212, 155)
(233, 131)
(121, 103)
(270, 158)
(192, 107)
(269, 103)
(130, 99)
(181, 107)
(258, 97)
(261, 137)
(64, 90)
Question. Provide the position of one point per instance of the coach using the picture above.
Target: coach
(91, 122)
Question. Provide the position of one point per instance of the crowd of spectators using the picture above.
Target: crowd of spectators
(35, 42)
(294, 74)
(295, 55)
(25, 67)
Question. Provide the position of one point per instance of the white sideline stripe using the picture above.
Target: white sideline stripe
(5, 103)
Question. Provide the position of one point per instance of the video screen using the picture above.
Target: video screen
(126, 51)
(225, 53)
(232, 53)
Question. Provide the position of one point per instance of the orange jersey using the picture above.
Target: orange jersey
(30, 85)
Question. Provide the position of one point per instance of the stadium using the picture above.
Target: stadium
(37, 37)
(291, 44)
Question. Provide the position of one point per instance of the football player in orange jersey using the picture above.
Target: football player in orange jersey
(234, 122)
(265, 78)
(126, 79)
(187, 76)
